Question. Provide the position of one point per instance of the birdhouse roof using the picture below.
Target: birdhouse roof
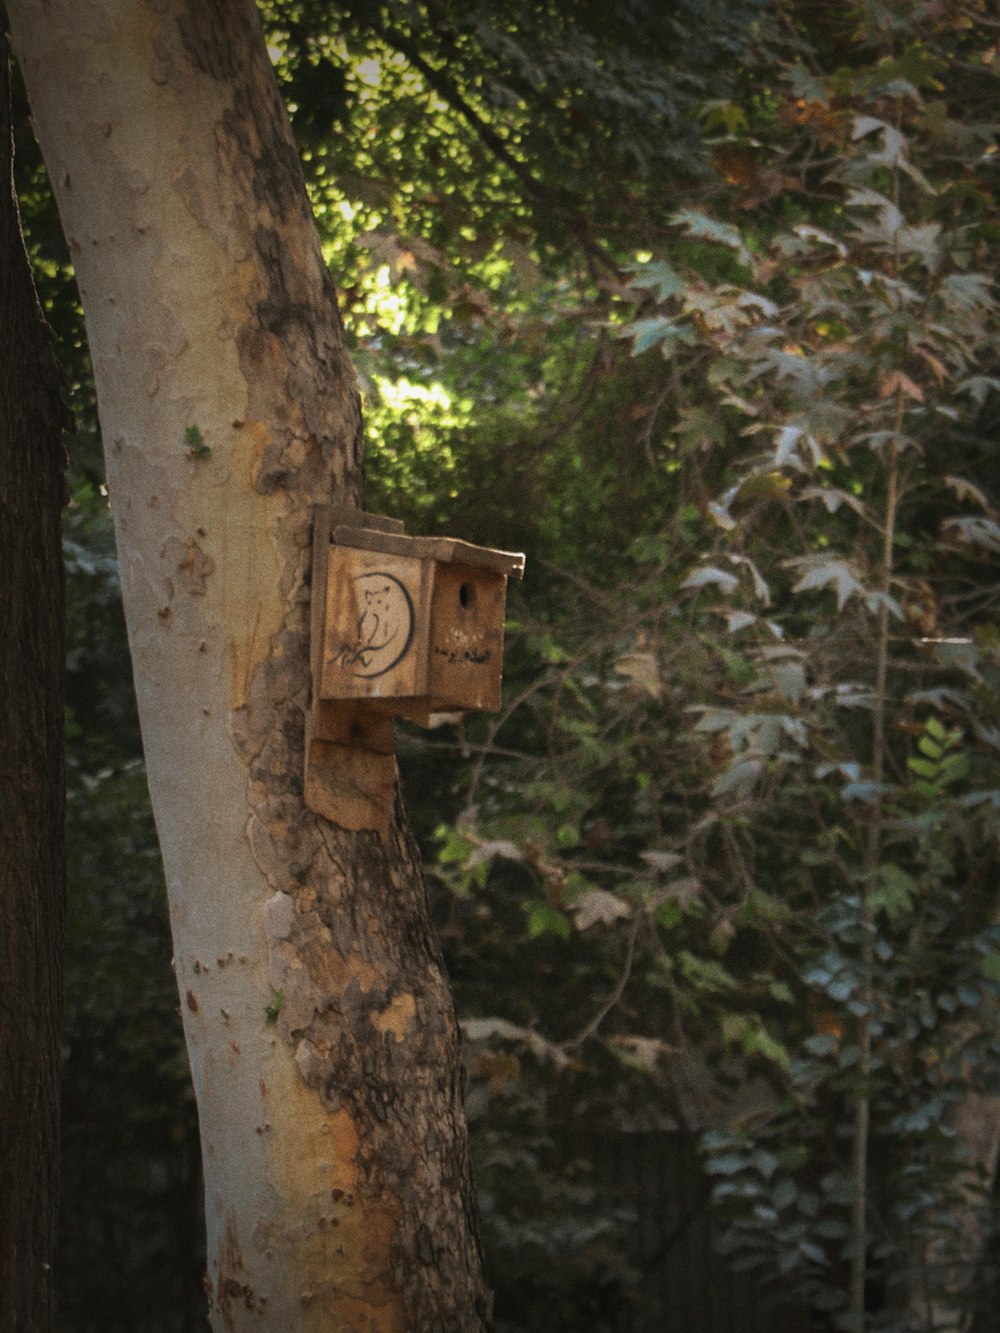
(446, 550)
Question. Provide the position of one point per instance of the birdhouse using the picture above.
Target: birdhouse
(401, 627)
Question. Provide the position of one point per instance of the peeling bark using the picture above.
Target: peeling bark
(338, 1189)
(32, 849)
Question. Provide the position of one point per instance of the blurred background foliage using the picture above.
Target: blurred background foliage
(695, 303)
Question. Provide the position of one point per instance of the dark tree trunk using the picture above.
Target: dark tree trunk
(32, 842)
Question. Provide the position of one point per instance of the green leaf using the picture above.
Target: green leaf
(567, 835)
(895, 893)
(969, 292)
(709, 575)
(668, 915)
(975, 531)
(821, 1044)
(954, 767)
(706, 973)
(830, 574)
(979, 387)
(738, 780)
(869, 792)
(728, 116)
(699, 428)
(548, 649)
(661, 861)
(272, 1010)
(784, 1193)
(808, 85)
(765, 1162)
(656, 331)
(758, 1041)
(703, 228)
(726, 1164)
(454, 846)
(936, 728)
(195, 442)
(760, 906)
(659, 275)
(544, 919)
(598, 907)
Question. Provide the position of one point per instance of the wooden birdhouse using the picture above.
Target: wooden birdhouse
(401, 627)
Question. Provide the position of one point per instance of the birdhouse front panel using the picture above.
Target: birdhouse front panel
(376, 625)
(465, 653)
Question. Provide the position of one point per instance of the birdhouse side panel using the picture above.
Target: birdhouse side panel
(465, 655)
(375, 630)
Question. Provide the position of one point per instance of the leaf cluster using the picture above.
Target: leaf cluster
(746, 790)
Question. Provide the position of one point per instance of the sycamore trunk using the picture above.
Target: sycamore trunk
(318, 1020)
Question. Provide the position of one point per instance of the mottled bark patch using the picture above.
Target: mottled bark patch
(213, 41)
(230, 1288)
(194, 567)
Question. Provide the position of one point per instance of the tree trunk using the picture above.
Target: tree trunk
(318, 1020)
(32, 844)
(954, 1260)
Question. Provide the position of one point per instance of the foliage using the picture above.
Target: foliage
(132, 1253)
(495, 134)
(131, 1183)
(757, 808)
